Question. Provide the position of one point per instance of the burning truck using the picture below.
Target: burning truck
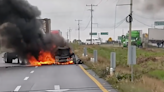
(24, 35)
(60, 53)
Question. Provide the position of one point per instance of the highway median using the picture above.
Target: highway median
(148, 72)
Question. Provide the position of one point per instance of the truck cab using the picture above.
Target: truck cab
(135, 39)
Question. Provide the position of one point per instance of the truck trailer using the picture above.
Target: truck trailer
(155, 36)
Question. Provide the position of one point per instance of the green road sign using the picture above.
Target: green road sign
(159, 23)
(104, 33)
(93, 33)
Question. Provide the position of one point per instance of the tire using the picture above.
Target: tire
(74, 60)
(18, 60)
(7, 59)
(23, 62)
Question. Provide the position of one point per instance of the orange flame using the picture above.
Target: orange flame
(45, 57)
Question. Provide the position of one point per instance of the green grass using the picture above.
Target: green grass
(159, 74)
(121, 53)
(148, 64)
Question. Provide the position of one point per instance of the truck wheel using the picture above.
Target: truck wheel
(18, 60)
(74, 60)
(7, 59)
(23, 62)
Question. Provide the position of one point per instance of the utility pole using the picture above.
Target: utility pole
(129, 32)
(130, 23)
(69, 30)
(91, 18)
(78, 28)
(67, 36)
(129, 43)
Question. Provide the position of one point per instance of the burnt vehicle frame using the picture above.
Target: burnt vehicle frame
(62, 55)
(9, 56)
(65, 54)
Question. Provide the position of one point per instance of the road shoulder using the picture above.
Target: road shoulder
(101, 83)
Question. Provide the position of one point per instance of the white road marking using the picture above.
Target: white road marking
(36, 66)
(57, 89)
(32, 72)
(17, 88)
(26, 78)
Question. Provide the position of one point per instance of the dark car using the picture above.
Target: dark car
(8, 57)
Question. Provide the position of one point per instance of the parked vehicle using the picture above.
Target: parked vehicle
(94, 41)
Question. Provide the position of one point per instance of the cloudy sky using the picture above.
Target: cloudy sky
(63, 14)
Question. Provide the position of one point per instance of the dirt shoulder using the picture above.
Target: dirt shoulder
(148, 72)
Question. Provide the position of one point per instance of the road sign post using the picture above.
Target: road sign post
(95, 55)
(132, 59)
(85, 51)
(112, 62)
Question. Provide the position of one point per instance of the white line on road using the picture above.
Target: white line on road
(17, 88)
(26, 78)
(57, 87)
(32, 72)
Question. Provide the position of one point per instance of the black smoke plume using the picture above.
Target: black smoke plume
(151, 6)
(20, 28)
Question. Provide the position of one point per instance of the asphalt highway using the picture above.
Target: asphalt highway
(64, 78)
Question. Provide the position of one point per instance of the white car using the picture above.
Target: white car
(94, 41)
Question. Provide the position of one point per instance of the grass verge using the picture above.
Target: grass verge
(148, 73)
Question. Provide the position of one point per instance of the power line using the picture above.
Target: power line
(122, 21)
(99, 2)
(116, 24)
(87, 25)
(141, 22)
(78, 21)
(91, 18)
(141, 16)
